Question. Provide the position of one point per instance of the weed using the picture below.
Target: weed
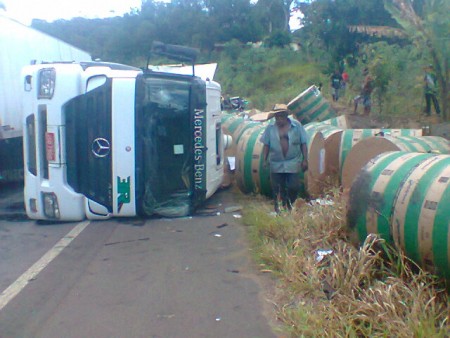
(347, 291)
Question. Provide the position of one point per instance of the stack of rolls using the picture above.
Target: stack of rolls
(404, 198)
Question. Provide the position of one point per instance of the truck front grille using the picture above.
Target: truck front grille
(88, 120)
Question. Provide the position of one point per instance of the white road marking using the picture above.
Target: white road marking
(14, 289)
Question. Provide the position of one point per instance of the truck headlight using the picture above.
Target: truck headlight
(46, 83)
(51, 208)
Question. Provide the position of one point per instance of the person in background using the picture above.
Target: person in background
(285, 151)
(344, 82)
(430, 89)
(366, 91)
(336, 80)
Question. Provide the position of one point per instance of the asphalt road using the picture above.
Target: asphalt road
(189, 277)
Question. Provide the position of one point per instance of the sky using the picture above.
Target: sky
(50, 10)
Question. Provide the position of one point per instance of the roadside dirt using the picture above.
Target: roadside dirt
(431, 125)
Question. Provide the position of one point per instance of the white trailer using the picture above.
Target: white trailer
(21, 45)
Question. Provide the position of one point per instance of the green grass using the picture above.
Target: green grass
(267, 76)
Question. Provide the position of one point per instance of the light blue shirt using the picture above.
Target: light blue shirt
(292, 162)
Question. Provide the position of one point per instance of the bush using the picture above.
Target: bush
(278, 39)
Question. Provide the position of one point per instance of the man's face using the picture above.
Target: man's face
(281, 118)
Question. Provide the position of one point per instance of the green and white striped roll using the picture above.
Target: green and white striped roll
(352, 136)
(310, 106)
(370, 147)
(230, 122)
(404, 198)
(245, 125)
(251, 176)
(421, 219)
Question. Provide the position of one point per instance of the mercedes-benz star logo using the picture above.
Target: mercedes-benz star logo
(101, 147)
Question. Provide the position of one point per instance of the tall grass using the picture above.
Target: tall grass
(367, 291)
(266, 76)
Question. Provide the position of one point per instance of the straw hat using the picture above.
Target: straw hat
(279, 108)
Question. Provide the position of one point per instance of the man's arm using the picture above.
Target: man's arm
(304, 149)
(265, 154)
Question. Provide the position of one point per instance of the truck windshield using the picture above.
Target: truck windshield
(164, 146)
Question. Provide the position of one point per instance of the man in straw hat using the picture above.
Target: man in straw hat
(285, 150)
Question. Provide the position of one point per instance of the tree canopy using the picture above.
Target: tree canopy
(333, 33)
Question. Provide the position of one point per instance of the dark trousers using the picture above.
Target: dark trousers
(285, 186)
(431, 97)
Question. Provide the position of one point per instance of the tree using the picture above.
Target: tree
(275, 14)
(232, 19)
(430, 33)
(327, 22)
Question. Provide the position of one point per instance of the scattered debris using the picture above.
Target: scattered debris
(222, 226)
(321, 254)
(321, 201)
(233, 271)
(215, 234)
(232, 162)
(237, 216)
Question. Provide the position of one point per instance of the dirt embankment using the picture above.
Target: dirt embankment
(431, 125)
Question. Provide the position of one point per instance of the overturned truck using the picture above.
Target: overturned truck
(106, 140)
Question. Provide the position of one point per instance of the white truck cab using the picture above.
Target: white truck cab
(104, 140)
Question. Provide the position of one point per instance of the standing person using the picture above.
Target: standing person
(430, 89)
(344, 82)
(336, 80)
(285, 150)
(366, 91)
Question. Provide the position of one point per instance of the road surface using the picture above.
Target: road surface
(188, 277)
